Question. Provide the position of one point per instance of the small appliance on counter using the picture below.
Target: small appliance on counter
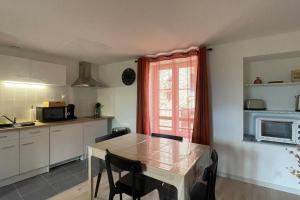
(97, 111)
(255, 104)
(50, 114)
(71, 111)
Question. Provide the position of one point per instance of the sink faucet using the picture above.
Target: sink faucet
(12, 121)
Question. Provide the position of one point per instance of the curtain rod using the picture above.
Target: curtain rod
(207, 49)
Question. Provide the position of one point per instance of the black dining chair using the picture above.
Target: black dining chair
(134, 183)
(172, 137)
(206, 191)
(102, 162)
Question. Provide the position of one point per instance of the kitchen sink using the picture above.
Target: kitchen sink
(6, 125)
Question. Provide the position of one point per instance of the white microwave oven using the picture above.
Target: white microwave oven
(278, 130)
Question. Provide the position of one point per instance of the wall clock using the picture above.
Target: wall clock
(128, 76)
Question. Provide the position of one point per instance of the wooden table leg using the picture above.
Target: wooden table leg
(90, 171)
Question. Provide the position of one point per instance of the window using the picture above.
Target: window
(172, 96)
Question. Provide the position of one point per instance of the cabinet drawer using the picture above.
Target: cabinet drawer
(33, 132)
(9, 156)
(58, 129)
(9, 135)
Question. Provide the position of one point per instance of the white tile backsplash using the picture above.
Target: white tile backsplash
(17, 102)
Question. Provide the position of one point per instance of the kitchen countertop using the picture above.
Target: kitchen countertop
(57, 123)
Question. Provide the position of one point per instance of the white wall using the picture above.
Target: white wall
(263, 164)
(118, 99)
(17, 102)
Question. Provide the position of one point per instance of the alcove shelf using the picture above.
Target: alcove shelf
(272, 84)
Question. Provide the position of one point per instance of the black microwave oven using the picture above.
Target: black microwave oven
(50, 114)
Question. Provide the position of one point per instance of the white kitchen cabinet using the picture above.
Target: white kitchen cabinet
(92, 130)
(66, 142)
(9, 154)
(34, 149)
(27, 70)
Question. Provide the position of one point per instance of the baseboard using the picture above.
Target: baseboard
(260, 183)
(23, 176)
(66, 161)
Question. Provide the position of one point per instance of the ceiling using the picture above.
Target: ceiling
(105, 31)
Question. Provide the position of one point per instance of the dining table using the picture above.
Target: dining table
(178, 163)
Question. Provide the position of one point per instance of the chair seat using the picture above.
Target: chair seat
(143, 184)
(198, 192)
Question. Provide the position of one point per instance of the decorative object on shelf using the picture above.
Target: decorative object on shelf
(296, 155)
(270, 82)
(295, 75)
(128, 76)
(257, 81)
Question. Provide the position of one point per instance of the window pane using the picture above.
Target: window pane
(165, 123)
(184, 74)
(165, 99)
(165, 129)
(186, 124)
(165, 79)
(165, 113)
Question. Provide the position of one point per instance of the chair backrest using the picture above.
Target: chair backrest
(104, 137)
(210, 176)
(109, 136)
(124, 164)
(172, 137)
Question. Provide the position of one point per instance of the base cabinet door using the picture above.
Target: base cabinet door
(9, 156)
(34, 149)
(92, 130)
(66, 142)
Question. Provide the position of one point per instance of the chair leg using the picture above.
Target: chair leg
(111, 196)
(98, 183)
(121, 196)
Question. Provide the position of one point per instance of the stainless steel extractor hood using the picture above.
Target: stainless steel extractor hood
(85, 76)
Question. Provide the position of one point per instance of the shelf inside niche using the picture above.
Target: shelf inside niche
(272, 84)
(273, 111)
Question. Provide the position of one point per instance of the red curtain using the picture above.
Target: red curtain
(202, 129)
(143, 119)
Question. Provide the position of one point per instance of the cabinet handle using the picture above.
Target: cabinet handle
(3, 136)
(29, 143)
(35, 132)
(56, 131)
(8, 147)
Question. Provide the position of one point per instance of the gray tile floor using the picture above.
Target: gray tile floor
(49, 184)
